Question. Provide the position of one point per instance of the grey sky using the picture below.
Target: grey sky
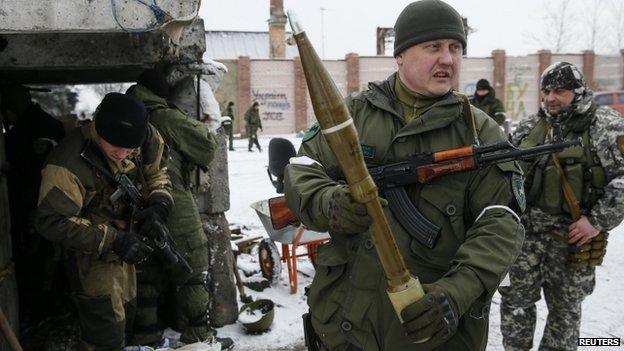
(349, 25)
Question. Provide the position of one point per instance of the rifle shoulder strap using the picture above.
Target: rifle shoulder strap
(568, 193)
(469, 117)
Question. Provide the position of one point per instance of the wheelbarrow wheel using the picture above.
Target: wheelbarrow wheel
(270, 260)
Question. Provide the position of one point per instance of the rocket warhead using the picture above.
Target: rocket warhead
(294, 22)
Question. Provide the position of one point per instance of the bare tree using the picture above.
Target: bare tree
(557, 31)
(595, 23)
(616, 9)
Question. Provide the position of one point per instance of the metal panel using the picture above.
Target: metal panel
(609, 73)
(273, 86)
(92, 15)
(222, 45)
(521, 86)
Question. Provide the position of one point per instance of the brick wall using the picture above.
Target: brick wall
(286, 106)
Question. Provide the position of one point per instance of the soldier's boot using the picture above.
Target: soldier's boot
(250, 144)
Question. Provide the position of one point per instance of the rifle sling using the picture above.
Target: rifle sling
(419, 227)
(469, 117)
(568, 193)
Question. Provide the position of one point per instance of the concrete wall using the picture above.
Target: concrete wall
(285, 105)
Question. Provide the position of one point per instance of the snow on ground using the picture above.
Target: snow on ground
(603, 311)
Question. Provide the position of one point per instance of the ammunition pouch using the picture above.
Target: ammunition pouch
(312, 341)
(590, 254)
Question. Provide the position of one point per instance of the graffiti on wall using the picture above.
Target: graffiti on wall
(272, 104)
(515, 90)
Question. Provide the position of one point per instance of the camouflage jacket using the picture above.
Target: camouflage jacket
(191, 144)
(74, 208)
(475, 247)
(606, 133)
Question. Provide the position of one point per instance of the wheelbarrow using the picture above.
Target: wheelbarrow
(291, 237)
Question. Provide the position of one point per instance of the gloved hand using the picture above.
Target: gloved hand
(345, 215)
(129, 248)
(431, 317)
(152, 220)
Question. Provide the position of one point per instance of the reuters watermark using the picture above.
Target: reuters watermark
(599, 341)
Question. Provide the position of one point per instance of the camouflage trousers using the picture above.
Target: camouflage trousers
(542, 265)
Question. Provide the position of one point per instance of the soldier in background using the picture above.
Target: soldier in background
(414, 110)
(31, 133)
(559, 253)
(485, 99)
(190, 145)
(252, 124)
(77, 212)
(229, 127)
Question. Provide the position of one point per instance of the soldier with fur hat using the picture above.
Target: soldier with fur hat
(415, 110)
(562, 248)
(75, 211)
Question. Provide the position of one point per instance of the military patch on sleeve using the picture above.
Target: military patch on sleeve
(368, 151)
(620, 143)
(517, 185)
(311, 133)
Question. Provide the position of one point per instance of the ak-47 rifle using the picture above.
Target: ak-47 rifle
(423, 168)
(129, 193)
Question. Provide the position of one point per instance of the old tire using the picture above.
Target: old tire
(270, 261)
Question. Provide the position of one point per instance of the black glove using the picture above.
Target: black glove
(347, 216)
(129, 248)
(152, 220)
(431, 317)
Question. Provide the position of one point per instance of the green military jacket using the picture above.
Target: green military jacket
(347, 298)
(74, 207)
(191, 145)
(492, 106)
(252, 121)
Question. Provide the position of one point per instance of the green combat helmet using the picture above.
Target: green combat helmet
(257, 317)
